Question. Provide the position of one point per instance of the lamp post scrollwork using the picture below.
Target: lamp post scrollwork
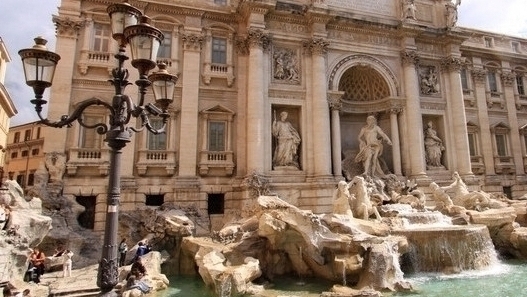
(129, 27)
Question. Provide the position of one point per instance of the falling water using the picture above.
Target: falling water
(449, 248)
(343, 273)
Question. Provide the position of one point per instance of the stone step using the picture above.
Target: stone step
(77, 293)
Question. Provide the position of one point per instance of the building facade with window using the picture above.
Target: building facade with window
(7, 108)
(24, 153)
(325, 65)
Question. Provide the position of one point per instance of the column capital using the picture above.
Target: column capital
(479, 75)
(410, 57)
(317, 46)
(258, 38)
(66, 27)
(192, 41)
(334, 99)
(508, 78)
(452, 63)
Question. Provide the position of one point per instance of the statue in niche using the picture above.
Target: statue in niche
(287, 142)
(370, 144)
(429, 82)
(433, 147)
(285, 65)
(409, 9)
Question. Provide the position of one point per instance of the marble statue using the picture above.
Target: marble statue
(433, 147)
(342, 199)
(370, 143)
(362, 207)
(409, 9)
(56, 165)
(287, 142)
(476, 200)
(451, 13)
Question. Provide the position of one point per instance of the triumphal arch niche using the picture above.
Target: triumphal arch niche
(366, 87)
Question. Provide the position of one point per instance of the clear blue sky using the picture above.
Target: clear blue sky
(22, 20)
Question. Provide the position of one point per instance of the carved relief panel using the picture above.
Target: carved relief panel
(429, 80)
(285, 66)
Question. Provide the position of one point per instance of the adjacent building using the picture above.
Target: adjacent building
(24, 153)
(280, 90)
(7, 108)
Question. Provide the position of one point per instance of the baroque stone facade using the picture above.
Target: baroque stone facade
(328, 64)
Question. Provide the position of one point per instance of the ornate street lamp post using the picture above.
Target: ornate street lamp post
(129, 27)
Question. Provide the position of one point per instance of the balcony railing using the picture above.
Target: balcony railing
(214, 70)
(216, 163)
(94, 59)
(88, 158)
(150, 160)
(504, 164)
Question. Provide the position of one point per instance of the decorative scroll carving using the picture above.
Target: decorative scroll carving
(410, 57)
(508, 78)
(241, 45)
(317, 46)
(67, 27)
(192, 41)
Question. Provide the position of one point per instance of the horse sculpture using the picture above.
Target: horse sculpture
(361, 206)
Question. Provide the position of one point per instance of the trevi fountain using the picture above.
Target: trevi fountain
(385, 236)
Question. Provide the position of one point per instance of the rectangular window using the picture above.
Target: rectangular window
(219, 50)
(38, 132)
(464, 80)
(157, 142)
(493, 84)
(165, 49)
(220, 2)
(217, 136)
(27, 135)
(472, 144)
(14, 155)
(25, 153)
(519, 85)
(31, 179)
(101, 37)
(17, 137)
(89, 137)
(501, 145)
(34, 152)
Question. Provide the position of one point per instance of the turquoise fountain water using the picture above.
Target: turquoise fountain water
(505, 279)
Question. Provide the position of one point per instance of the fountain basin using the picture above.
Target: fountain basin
(447, 249)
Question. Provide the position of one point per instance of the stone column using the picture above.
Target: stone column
(257, 41)
(479, 76)
(320, 116)
(508, 78)
(459, 121)
(396, 144)
(335, 105)
(413, 116)
(189, 104)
